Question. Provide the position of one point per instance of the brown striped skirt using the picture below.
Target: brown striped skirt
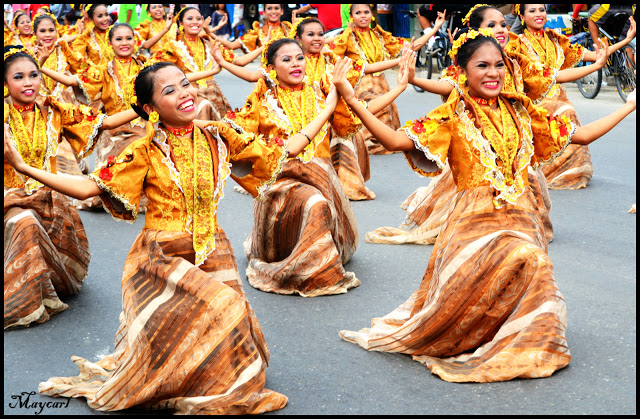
(573, 168)
(46, 255)
(215, 97)
(488, 308)
(350, 160)
(371, 87)
(304, 232)
(188, 339)
(429, 206)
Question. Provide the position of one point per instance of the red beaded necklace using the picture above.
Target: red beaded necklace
(293, 89)
(537, 33)
(124, 60)
(24, 108)
(180, 131)
(485, 102)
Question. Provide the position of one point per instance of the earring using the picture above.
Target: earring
(6, 91)
(154, 117)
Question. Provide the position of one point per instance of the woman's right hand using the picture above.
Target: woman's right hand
(340, 70)
(42, 52)
(11, 155)
(216, 52)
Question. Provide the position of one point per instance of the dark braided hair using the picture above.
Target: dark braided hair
(477, 16)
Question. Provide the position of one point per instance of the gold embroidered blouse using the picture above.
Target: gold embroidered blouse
(257, 36)
(263, 113)
(554, 51)
(148, 165)
(370, 46)
(148, 29)
(472, 139)
(79, 125)
(63, 60)
(94, 46)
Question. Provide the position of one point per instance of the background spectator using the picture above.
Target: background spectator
(385, 13)
(328, 14)
(220, 12)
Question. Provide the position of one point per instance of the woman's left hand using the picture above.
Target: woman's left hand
(631, 33)
(340, 70)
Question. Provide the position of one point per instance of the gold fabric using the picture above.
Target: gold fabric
(148, 165)
(453, 133)
(114, 81)
(94, 46)
(555, 51)
(349, 44)
(258, 36)
(78, 124)
(148, 29)
(263, 114)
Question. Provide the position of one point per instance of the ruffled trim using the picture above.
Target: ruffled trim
(234, 125)
(436, 158)
(265, 186)
(493, 174)
(82, 89)
(91, 138)
(120, 198)
(550, 160)
(552, 87)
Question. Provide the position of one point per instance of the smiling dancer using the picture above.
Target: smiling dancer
(488, 308)
(182, 259)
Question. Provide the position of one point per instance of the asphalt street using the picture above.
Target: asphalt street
(594, 257)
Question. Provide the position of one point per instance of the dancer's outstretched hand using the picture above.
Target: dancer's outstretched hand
(340, 70)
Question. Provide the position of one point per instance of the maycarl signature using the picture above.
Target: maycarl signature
(24, 403)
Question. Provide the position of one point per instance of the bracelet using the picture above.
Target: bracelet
(308, 139)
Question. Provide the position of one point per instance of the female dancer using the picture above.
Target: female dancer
(574, 169)
(93, 42)
(428, 207)
(183, 303)
(22, 31)
(55, 54)
(46, 249)
(193, 54)
(488, 308)
(158, 31)
(258, 36)
(304, 230)
(369, 45)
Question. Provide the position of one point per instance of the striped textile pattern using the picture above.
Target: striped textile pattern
(350, 160)
(371, 87)
(429, 206)
(573, 168)
(188, 339)
(488, 308)
(304, 232)
(46, 255)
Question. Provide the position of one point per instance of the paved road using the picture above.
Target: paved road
(594, 254)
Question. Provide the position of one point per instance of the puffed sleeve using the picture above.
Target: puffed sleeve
(249, 41)
(247, 119)
(80, 125)
(144, 30)
(121, 179)
(537, 79)
(551, 134)
(573, 53)
(431, 136)
(92, 79)
(392, 44)
(340, 45)
(255, 163)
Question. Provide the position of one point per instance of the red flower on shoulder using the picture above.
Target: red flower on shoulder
(418, 127)
(231, 115)
(278, 141)
(105, 174)
(546, 72)
(563, 130)
(111, 160)
(331, 45)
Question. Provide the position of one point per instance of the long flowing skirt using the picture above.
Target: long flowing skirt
(217, 99)
(573, 168)
(46, 255)
(304, 232)
(188, 339)
(429, 206)
(488, 308)
(371, 87)
(350, 160)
